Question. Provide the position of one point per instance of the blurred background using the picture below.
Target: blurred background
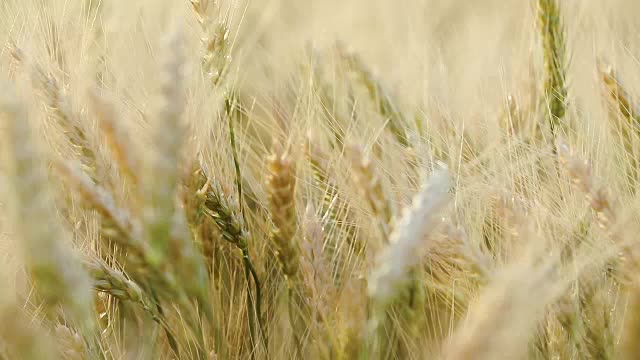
(458, 51)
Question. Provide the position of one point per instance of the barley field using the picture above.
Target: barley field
(336, 179)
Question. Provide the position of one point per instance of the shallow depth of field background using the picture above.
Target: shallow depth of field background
(446, 61)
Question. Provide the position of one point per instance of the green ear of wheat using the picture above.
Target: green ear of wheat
(553, 41)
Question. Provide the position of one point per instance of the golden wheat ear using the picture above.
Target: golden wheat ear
(126, 229)
(60, 112)
(115, 135)
(281, 184)
(116, 283)
(368, 182)
(623, 112)
(281, 194)
(215, 39)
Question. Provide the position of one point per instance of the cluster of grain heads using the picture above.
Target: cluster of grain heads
(216, 62)
(410, 299)
(57, 275)
(552, 35)
(155, 228)
(391, 274)
(161, 255)
(121, 227)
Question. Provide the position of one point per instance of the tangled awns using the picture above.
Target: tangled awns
(362, 179)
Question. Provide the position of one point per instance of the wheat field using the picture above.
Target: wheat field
(361, 179)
